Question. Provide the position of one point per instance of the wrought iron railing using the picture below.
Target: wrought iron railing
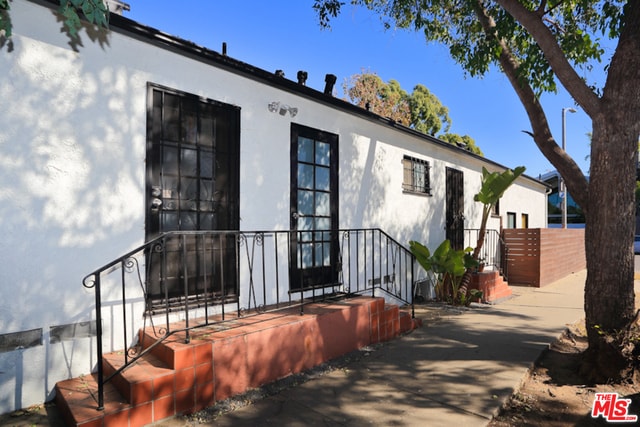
(215, 276)
(494, 250)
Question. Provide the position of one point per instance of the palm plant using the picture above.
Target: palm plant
(449, 266)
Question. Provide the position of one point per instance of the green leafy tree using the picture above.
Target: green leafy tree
(538, 44)
(428, 115)
(367, 90)
(95, 12)
(421, 110)
(462, 141)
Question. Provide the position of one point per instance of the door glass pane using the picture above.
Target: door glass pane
(171, 118)
(189, 189)
(322, 223)
(305, 223)
(189, 124)
(188, 221)
(206, 190)
(322, 153)
(322, 204)
(326, 254)
(169, 192)
(305, 176)
(322, 179)
(305, 150)
(189, 162)
(206, 164)
(170, 160)
(170, 221)
(206, 207)
(322, 258)
(207, 123)
(188, 205)
(305, 202)
(206, 221)
(305, 259)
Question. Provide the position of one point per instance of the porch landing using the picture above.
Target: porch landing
(226, 359)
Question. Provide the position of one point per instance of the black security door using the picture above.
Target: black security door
(192, 185)
(314, 208)
(455, 208)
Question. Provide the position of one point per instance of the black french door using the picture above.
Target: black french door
(192, 185)
(314, 208)
(455, 208)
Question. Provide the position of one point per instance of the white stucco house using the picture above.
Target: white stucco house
(141, 133)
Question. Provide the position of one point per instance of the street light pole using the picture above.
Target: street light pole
(563, 188)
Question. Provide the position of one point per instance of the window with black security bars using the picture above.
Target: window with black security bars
(416, 176)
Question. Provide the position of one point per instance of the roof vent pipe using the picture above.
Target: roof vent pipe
(302, 77)
(224, 48)
(329, 81)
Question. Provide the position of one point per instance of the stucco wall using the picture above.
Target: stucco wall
(72, 165)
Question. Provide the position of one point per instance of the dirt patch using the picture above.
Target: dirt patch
(553, 393)
(38, 415)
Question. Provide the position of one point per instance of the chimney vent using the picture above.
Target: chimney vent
(302, 77)
(329, 81)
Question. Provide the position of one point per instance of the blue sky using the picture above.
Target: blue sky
(284, 34)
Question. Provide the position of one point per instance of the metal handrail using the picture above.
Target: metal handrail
(188, 271)
(494, 249)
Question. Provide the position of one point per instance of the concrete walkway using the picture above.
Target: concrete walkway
(455, 370)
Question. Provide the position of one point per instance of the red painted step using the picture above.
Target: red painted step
(493, 286)
(218, 362)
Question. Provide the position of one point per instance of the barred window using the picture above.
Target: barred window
(416, 178)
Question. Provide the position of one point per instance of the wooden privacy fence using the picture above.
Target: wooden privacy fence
(540, 256)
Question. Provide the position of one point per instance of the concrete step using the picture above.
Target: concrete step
(493, 286)
(179, 377)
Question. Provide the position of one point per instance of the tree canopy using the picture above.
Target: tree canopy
(420, 110)
(462, 26)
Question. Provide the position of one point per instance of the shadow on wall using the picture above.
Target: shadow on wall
(72, 147)
(371, 174)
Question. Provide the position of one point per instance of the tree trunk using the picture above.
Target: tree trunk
(609, 296)
(608, 198)
(609, 293)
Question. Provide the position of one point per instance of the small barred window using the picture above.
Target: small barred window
(416, 178)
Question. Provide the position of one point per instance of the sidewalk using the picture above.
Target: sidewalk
(455, 370)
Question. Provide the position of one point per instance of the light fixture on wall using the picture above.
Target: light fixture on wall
(282, 109)
(273, 106)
